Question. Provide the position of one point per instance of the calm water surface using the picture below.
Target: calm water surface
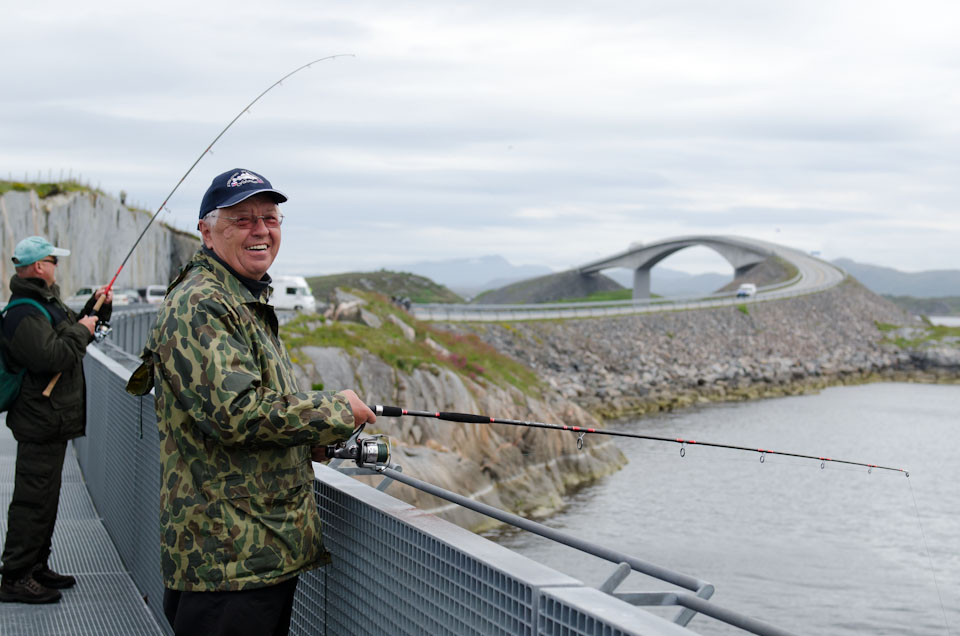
(816, 551)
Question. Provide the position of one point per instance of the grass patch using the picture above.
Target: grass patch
(45, 190)
(469, 356)
(790, 270)
(743, 309)
(601, 296)
(919, 337)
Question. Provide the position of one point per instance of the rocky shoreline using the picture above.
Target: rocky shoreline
(523, 470)
(629, 365)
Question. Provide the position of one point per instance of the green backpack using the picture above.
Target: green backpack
(9, 381)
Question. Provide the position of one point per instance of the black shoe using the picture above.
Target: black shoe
(48, 578)
(27, 590)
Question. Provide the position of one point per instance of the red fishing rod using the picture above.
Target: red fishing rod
(96, 307)
(469, 418)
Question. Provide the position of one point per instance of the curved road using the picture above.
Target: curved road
(813, 275)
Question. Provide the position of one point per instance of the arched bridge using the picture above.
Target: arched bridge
(812, 275)
(741, 253)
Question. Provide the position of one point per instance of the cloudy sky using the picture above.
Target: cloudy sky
(550, 133)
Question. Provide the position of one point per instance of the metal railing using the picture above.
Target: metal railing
(396, 569)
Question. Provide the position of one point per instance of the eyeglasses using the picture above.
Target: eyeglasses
(248, 222)
(52, 259)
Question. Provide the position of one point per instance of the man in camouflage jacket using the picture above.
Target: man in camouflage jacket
(238, 518)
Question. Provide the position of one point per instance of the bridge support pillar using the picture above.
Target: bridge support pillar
(641, 283)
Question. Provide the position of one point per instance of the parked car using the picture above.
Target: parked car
(80, 297)
(292, 292)
(125, 296)
(746, 290)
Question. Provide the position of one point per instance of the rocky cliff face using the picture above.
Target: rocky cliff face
(525, 470)
(99, 231)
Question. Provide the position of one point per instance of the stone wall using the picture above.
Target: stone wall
(99, 232)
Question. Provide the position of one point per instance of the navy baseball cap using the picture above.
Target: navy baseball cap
(234, 186)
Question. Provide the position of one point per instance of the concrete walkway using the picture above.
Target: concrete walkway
(105, 600)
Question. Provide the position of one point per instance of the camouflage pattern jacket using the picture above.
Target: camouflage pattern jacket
(237, 508)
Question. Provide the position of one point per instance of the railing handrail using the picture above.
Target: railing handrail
(703, 590)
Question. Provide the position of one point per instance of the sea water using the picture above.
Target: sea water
(835, 549)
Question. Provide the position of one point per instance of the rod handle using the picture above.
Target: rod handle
(386, 411)
(53, 382)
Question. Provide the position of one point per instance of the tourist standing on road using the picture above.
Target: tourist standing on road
(44, 346)
(238, 518)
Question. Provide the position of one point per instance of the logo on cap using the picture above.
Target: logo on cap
(244, 177)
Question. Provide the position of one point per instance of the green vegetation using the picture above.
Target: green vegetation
(790, 270)
(45, 190)
(601, 296)
(916, 337)
(742, 308)
(417, 288)
(468, 355)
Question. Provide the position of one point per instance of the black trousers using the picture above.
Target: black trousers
(263, 611)
(33, 510)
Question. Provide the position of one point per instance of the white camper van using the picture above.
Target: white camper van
(292, 292)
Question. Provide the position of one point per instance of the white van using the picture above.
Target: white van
(746, 290)
(292, 292)
(154, 294)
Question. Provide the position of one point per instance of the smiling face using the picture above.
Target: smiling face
(251, 251)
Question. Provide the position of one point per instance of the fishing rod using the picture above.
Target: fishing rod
(469, 418)
(99, 303)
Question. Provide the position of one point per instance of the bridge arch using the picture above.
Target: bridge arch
(741, 253)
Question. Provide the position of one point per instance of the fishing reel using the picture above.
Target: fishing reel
(101, 331)
(368, 452)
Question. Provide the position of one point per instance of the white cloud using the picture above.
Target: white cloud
(547, 132)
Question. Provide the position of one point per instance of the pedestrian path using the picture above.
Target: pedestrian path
(104, 600)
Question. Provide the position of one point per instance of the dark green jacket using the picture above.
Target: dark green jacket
(236, 492)
(31, 341)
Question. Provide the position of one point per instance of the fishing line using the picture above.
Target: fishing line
(582, 432)
(99, 303)
(210, 146)
(926, 548)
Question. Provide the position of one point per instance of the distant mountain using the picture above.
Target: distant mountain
(470, 276)
(886, 280)
(416, 288)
